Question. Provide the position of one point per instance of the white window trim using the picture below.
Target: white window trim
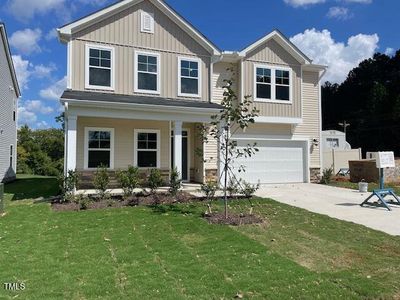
(87, 58)
(273, 99)
(199, 78)
(142, 16)
(135, 148)
(86, 148)
(136, 77)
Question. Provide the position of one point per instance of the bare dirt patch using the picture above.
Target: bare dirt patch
(233, 219)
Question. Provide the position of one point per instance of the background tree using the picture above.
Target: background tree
(369, 99)
(236, 115)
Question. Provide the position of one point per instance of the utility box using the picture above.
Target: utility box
(1, 198)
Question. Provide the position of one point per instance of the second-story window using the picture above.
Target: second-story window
(189, 77)
(147, 73)
(263, 83)
(272, 84)
(99, 67)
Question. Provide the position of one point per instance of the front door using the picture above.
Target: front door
(185, 152)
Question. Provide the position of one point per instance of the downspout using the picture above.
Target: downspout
(65, 138)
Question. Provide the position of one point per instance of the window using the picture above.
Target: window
(148, 73)
(147, 152)
(99, 67)
(263, 83)
(332, 143)
(11, 155)
(282, 81)
(189, 77)
(99, 145)
(272, 84)
(14, 116)
(147, 22)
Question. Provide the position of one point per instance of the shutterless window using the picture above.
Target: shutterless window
(14, 116)
(99, 149)
(11, 155)
(263, 83)
(332, 142)
(100, 67)
(282, 88)
(189, 77)
(147, 149)
(147, 72)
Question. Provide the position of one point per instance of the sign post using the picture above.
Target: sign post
(383, 160)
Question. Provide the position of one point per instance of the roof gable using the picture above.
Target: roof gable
(67, 30)
(3, 36)
(286, 44)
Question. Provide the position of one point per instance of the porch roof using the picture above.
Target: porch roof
(134, 99)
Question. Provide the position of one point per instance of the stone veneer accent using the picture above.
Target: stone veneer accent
(315, 175)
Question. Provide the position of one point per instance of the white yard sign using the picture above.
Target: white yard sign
(385, 160)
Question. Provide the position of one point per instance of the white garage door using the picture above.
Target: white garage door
(276, 162)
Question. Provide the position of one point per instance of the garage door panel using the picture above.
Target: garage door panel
(275, 162)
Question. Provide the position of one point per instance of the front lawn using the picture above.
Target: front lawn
(169, 252)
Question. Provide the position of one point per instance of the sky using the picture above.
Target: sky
(336, 33)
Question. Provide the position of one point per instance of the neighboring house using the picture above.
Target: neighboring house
(9, 94)
(141, 79)
(334, 139)
(337, 151)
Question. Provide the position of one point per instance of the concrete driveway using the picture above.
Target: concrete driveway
(343, 204)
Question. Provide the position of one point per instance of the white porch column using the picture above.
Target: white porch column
(178, 147)
(71, 143)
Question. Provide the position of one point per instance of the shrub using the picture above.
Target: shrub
(174, 182)
(128, 180)
(101, 181)
(247, 189)
(155, 180)
(83, 201)
(209, 189)
(327, 175)
(68, 184)
(233, 187)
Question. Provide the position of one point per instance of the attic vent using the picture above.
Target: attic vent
(147, 22)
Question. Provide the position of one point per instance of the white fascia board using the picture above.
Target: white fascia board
(287, 45)
(278, 120)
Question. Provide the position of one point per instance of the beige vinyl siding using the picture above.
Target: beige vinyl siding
(271, 53)
(222, 72)
(263, 130)
(124, 139)
(124, 71)
(211, 154)
(8, 103)
(198, 159)
(122, 31)
(311, 115)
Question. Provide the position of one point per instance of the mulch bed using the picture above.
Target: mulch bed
(233, 219)
(119, 202)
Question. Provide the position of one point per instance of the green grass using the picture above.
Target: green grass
(371, 186)
(169, 252)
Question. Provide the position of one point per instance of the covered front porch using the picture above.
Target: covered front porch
(117, 135)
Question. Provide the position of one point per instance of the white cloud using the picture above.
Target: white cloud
(340, 13)
(298, 3)
(52, 34)
(42, 125)
(54, 91)
(390, 51)
(42, 71)
(339, 57)
(37, 106)
(358, 1)
(26, 117)
(24, 10)
(26, 41)
(22, 69)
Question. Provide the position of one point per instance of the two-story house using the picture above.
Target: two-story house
(141, 79)
(9, 94)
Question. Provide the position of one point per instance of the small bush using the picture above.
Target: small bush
(247, 189)
(175, 183)
(67, 185)
(209, 189)
(128, 180)
(83, 201)
(101, 181)
(233, 187)
(327, 176)
(155, 180)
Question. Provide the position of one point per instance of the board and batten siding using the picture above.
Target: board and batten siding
(310, 127)
(123, 32)
(271, 53)
(8, 104)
